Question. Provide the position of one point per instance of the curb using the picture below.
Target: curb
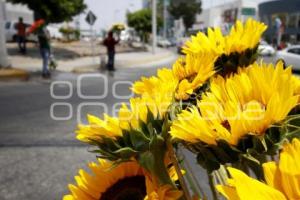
(13, 74)
(149, 60)
(122, 64)
(86, 69)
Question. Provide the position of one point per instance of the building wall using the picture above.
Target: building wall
(289, 13)
(226, 14)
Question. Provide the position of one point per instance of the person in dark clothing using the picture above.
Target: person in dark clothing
(44, 44)
(21, 35)
(110, 44)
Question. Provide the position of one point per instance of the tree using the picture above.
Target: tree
(3, 52)
(187, 9)
(142, 23)
(54, 11)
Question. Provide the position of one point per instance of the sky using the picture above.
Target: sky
(109, 12)
(113, 11)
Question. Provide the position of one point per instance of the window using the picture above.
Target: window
(298, 20)
(292, 22)
(281, 16)
(7, 25)
(294, 51)
(265, 19)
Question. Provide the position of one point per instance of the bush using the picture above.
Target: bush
(70, 33)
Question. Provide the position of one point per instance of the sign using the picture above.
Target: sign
(248, 11)
(90, 18)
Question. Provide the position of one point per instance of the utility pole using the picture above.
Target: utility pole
(165, 19)
(3, 52)
(154, 26)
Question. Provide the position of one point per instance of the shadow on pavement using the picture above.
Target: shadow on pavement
(33, 52)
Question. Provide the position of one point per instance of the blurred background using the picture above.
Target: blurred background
(39, 112)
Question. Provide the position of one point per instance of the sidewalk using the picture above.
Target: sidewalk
(92, 64)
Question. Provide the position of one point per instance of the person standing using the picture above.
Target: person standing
(21, 35)
(110, 44)
(44, 45)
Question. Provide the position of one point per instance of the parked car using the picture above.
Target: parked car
(290, 56)
(163, 43)
(180, 43)
(173, 41)
(11, 32)
(264, 49)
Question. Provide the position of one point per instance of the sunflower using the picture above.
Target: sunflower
(238, 48)
(296, 83)
(243, 187)
(188, 74)
(139, 110)
(244, 103)
(242, 37)
(125, 181)
(97, 128)
(192, 72)
(282, 180)
(163, 192)
(112, 127)
(108, 182)
(159, 90)
(213, 43)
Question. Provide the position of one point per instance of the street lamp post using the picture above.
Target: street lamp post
(3, 52)
(165, 19)
(154, 31)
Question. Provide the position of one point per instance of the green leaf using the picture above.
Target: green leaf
(259, 144)
(125, 153)
(146, 160)
(207, 160)
(139, 141)
(126, 138)
(229, 150)
(157, 143)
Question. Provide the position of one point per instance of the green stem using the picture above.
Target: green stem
(192, 179)
(212, 186)
(158, 150)
(178, 171)
(160, 170)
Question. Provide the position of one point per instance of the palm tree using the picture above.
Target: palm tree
(3, 52)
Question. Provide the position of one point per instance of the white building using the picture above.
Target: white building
(226, 14)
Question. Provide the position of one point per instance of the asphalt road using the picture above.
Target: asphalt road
(39, 155)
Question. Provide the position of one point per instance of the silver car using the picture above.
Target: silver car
(290, 55)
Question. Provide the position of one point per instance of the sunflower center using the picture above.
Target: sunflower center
(131, 188)
(226, 125)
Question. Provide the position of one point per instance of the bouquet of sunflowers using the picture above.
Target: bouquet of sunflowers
(118, 27)
(237, 116)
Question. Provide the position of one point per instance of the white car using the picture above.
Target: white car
(163, 43)
(11, 32)
(264, 49)
(290, 56)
